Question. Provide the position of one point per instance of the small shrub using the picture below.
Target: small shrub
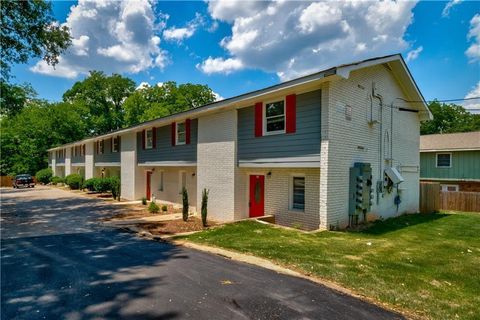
(89, 184)
(115, 186)
(153, 207)
(102, 185)
(44, 176)
(204, 206)
(185, 204)
(74, 181)
(164, 208)
(56, 180)
(144, 201)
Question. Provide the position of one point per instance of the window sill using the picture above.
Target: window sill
(295, 211)
(273, 133)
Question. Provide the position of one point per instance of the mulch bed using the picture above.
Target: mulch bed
(174, 226)
(140, 211)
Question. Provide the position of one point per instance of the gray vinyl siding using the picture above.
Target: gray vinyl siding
(59, 159)
(107, 155)
(165, 151)
(77, 159)
(305, 142)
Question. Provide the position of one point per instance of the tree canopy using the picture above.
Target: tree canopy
(148, 103)
(101, 98)
(449, 118)
(96, 105)
(29, 30)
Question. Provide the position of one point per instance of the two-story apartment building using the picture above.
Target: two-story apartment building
(451, 159)
(303, 150)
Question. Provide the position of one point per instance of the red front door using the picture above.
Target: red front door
(149, 191)
(257, 196)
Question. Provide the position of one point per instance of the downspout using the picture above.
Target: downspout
(380, 153)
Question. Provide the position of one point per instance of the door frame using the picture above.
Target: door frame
(148, 184)
(255, 173)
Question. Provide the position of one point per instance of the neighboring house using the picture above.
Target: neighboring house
(295, 150)
(452, 159)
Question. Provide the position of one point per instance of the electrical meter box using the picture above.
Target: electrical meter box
(361, 191)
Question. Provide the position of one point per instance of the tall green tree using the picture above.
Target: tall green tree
(449, 118)
(29, 30)
(101, 98)
(26, 136)
(162, 100)
(13, 97)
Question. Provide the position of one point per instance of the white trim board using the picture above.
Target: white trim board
(279, 164)
(167, 164)
(107, 164)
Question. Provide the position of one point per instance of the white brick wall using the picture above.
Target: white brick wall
(172, 184)
(278, 195)
(68, 161)
(89, 168)
(128, 166)
(216, 163)
(343, 139)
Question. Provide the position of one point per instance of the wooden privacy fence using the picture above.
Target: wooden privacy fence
(461, 201)
(6, 181)
(433, 199)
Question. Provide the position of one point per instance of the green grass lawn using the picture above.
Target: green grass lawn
(425, 264)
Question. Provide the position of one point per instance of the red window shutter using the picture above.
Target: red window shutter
(143, 139)
(258, 119)
(187, 131)
(174, 127)
(96, 146)
(291, 113)
(154, 137)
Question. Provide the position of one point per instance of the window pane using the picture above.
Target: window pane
(276, 124)
(299, 193)
(181, 127)
(181, 137)
(274, 109)
(443, 160)
(149, 139)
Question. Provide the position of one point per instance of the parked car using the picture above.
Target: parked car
(23, 180)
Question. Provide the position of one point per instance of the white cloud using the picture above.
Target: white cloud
(180, 34)
(473, 52)
(218, 97)
(113, 36)
(220, 65)
(293, 38)
(413, 54)
(473, 105)
(449, 6)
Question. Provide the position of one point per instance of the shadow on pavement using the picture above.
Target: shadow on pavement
(95, 277)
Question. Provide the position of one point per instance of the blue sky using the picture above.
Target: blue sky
(224, 44)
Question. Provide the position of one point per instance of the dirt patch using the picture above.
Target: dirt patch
(174, 226)
(136, 211)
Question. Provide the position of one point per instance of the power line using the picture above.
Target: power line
(447, 100)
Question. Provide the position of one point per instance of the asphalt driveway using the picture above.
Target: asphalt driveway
(58, 262)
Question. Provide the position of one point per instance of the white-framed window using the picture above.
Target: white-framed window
(160, 184)
(182, 178)
(297, 193)
(449, 187)
(149, 139)
(274, 117)
(443, 160)
(101, 147)
(180, 133)
(115, 144)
